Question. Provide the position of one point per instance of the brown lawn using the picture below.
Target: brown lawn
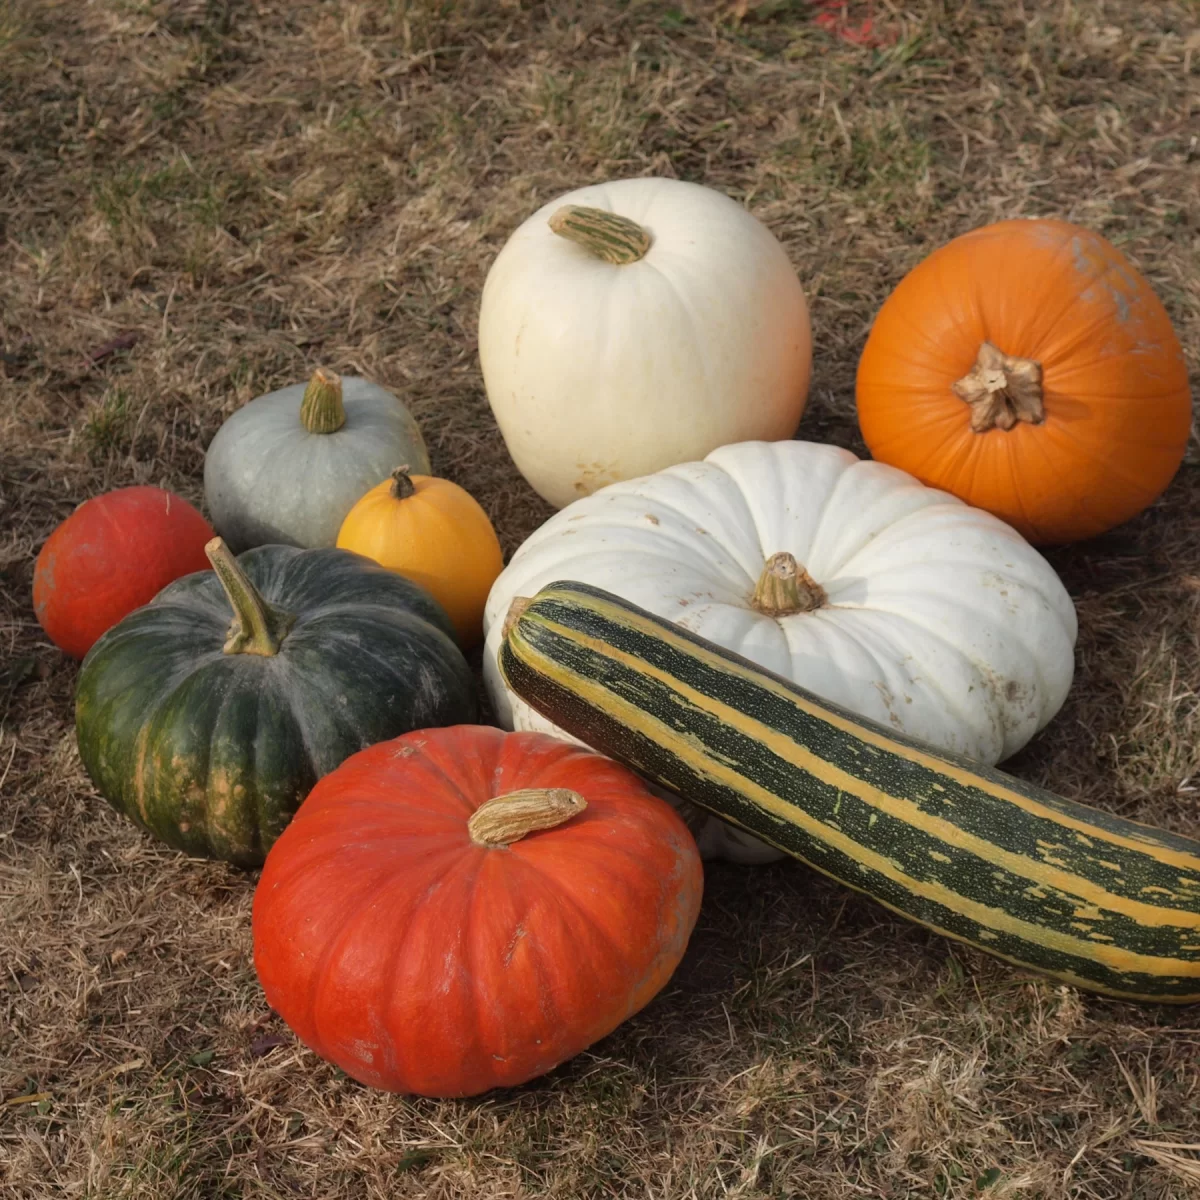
(253, 187)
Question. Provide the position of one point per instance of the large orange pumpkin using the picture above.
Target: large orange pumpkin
(461, 909)
(1028, 369)
(113, 554)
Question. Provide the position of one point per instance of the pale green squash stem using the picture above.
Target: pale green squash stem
(322, 409)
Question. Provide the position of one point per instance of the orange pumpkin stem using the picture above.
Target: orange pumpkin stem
(402, 484)
(1002, 390)
(785, 587)
(508, 818)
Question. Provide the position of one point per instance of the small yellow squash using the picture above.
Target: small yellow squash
(433, 532)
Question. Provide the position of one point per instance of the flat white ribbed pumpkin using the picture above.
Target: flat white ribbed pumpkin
(849, 577)
(636, 324)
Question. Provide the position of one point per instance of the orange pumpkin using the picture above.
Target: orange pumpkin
(1028, 369)
(461, 909)
(432, 532)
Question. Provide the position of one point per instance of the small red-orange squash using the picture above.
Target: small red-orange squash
(461, 909)
(1030, 370)
(113, 554)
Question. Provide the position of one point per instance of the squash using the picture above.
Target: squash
(631, 325)
(287, 468)
(1097, 901)
(208, 733)
(1029, 369)
(463, 909)
(848, 577)
(111, 555)
(432, 532)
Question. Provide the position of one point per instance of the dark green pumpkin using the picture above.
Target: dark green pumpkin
(207, 715)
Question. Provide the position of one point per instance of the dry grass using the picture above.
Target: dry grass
(249, 187)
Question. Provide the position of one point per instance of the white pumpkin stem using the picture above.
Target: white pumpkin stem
(322, 409)
(257, 627)
(1002, 390)
(506, 819)
(785, 587)
(607, 235)
(402, 484)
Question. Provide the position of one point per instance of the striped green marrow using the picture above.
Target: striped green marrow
(1100, 902)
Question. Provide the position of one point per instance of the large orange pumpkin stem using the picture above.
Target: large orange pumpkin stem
(322, 409)
(506, 819)
(785, 587)
(1002, 390)
(257, 627)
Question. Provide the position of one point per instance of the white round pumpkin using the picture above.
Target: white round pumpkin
(848, 577)
(289, 466)
(632, 325)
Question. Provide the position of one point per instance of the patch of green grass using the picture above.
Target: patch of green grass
(874, 161)
(170, 1156)
(12, 31)
(107, 426)
(135, 201)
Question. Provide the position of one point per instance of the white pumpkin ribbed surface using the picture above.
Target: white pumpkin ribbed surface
(940, 620)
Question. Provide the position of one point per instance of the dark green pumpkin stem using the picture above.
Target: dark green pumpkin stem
(322, 410)
(614, 238)
(258, 627)
(402, 484)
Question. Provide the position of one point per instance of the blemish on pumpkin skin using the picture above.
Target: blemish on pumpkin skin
(1109, 279)
(511, 948)
(139, 783)
(592, 477)
(229, 817)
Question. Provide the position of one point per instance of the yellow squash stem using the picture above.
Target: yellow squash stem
(402, 484)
